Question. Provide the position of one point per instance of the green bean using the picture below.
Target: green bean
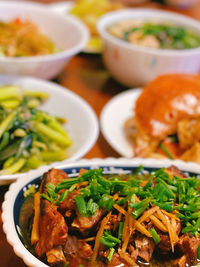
(52, 122)
(5, 140)
(10, 150)
(36, 94)
(8, 162)
(14, 168)
(19, 132)
(4, 125)
(52, 134)
(10, 103)
(53, 156)
(9, 91)
(33, 103)
(33, 162)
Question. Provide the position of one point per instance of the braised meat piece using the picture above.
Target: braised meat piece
(69, 203)
(86, 223)
(173, 170)
(52, 228)
(53, 176)
(164, 245)
(56, 256)
(188, 245)
(145, 247)
(111, 223)
(77, 248)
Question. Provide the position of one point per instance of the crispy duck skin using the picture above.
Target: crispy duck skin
(53, 230)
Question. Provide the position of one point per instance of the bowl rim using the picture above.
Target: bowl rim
(78, 154)
(10, 196)
(84, 33)
(127, 13)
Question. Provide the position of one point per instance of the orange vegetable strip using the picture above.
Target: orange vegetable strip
(147, 213)
(119, 217)
(35, 229)
(99, 235)
(126, 258)
(85, 183)
(143, 183)
(115, 197)
(160, 216)
(120, 209)
(158, 223)
(127, 230)
(141, 229)
(170, 215)
(171, 232)
(167, 223)
(174, 227)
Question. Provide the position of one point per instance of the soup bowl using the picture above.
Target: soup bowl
(134, 65)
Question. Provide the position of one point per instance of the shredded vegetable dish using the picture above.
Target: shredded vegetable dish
(22, 38)
(136, 219)
(155, 35)
(29, 137)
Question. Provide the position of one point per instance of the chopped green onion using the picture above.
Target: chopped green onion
(154, 235)
(81, 205)
(164, 149)
(111, 253)
(120, 230)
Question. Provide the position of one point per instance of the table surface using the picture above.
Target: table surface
(86, 76)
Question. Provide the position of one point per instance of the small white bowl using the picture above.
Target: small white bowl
(68, 33)
(134, 65)
(82, 123)
(14, 198)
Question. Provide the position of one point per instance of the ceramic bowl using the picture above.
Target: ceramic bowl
(68, 34)
(14, 198)
(133, 65)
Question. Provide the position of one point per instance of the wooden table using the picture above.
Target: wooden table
(86, 76)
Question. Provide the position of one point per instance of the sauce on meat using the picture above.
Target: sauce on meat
(165, 101)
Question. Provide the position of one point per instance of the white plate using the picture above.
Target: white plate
(82, 124)
(62, 8)
(112, 119)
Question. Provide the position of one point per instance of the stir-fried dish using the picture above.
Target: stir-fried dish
(89, 11)
(29, 137)
(136, 219)
(155, 35)
(166, 119)
(22, 38)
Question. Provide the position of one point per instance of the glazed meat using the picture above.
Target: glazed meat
(53, 230)
(166, 119)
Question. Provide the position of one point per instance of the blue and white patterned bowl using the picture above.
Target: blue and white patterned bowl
(14, 198)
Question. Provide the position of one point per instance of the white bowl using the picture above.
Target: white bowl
(134, 65)
(68, 33)
(82, 123)
(14, 198)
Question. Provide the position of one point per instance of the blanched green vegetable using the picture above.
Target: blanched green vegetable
(29, 137)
